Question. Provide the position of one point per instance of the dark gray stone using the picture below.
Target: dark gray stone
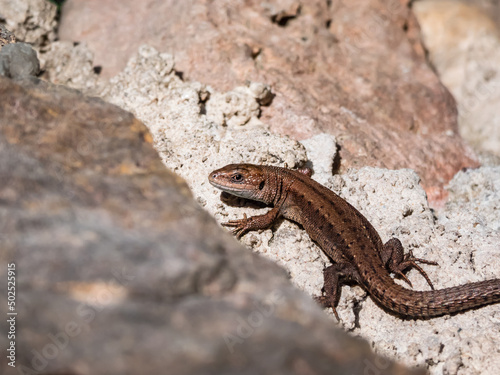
(18, 60)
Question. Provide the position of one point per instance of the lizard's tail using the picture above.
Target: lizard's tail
(423, 304)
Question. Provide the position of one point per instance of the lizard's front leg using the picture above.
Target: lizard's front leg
(248, 224)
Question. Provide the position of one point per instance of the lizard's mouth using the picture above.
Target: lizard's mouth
(239, 192)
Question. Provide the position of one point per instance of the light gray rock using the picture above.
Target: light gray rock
(193, 135)
(192, 144)
(65, 63)
(474, 197)
(322, 148)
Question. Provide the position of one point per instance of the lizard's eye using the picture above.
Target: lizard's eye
(238, 177)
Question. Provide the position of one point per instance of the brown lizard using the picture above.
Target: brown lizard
(348, 239)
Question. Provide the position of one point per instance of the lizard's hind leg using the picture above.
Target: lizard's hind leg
(333, 277)
(397, 262)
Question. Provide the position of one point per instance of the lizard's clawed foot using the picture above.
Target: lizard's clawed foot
(403, 276)
(410, 261)
(240, 227)
(326, 302)
(397, 262)
(247, 224)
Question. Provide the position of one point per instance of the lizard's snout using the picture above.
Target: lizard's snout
(213, 176)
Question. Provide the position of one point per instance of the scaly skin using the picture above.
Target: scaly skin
(349, 240)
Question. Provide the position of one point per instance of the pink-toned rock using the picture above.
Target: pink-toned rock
(353, 69)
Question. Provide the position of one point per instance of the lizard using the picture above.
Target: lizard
(348, 239)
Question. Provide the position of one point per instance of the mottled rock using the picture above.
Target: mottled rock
(119, 271)
(6, 36)
(18, 60)
(355, 70)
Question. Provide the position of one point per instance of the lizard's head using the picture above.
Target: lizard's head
(243, 180)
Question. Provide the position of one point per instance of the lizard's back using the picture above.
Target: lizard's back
(345, 234)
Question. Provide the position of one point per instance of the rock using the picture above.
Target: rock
(490, 8)
(192, 143)
(31, 21)
(64, 63)
(6, 37)
(355, 70)
(474, 197)
(119, 271)
(18, 60)
(463, 240)
(196, 128)
(322, 149)
(219, 326)
(464, 46)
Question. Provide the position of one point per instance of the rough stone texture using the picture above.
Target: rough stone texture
(464, 46)
(489, 7)
(119, 271)
(355, 70)
(18, 60)
(321, 148)
(196, 128)
(6, 36)
(464, 245)
(31, 21)
(192, 143)
(474, 196)
(64, 63)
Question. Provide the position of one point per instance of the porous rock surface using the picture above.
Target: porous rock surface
(355, 70)
(31, 21)
(192, 142)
